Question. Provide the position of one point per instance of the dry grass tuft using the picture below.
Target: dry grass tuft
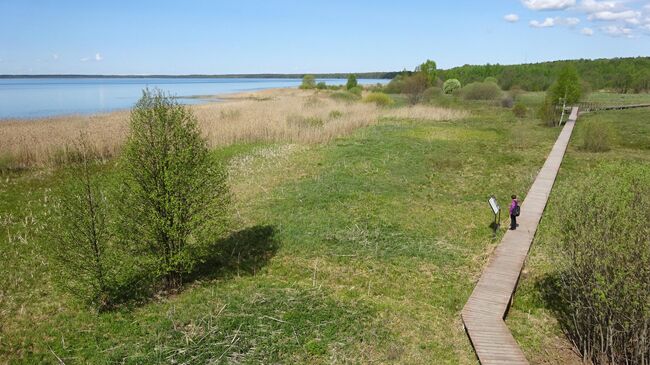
(279, 115)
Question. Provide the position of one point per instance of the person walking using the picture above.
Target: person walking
(514, 212)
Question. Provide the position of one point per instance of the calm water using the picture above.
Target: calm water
(42, 97)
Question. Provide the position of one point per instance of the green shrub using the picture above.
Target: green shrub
(520, 110)
(302, 121)
(602, 294)
(308, 82)
(352, 82)
(357, 90)
(597, 137)
(396, 85)
(380, 99)
(431, 93)
(481, 91)
(491, 79)
(345, 96)
(175, 195)
(450, 86)
(414, 86)
(84, 260)
(335, 114)
(321, 86)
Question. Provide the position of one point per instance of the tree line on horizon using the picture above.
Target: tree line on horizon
(623, 75)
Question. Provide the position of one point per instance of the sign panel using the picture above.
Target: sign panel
(494, 205)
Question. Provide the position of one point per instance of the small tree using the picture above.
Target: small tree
(414, 86)
(175, 194)
(308, 82)
(429, 69)
(450, 85)
(567, 87)
(80, 228)
(352, 82)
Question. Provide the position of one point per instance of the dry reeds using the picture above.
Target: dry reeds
(280, 115)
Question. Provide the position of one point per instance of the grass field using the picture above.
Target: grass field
(531, 318)
(363, 249)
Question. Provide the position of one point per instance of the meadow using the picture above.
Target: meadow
(532, 317)
(360, 245)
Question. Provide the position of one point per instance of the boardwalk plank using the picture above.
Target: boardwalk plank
(485, 309)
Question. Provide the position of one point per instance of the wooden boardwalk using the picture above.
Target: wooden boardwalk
(488, 305)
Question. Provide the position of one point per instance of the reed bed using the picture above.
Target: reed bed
(280, 115)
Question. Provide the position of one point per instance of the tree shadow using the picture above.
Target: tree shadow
(242, 253)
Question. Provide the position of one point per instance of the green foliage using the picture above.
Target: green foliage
(431, 93)
(491, 79)
(450, 86)
(175, 195)
(357, 90)
(396, 85)
(378, 98)
(567, 87)
(414, 85)
(308, 82)
(321, 85)
(597, 136)
(619, 74)
(481, 91)
(85, 261)
(430, 71)
(604, 256)
(352, 82)
(302, 121)
(345, 96)
(335, 114)
(520, 110)
(548, 112)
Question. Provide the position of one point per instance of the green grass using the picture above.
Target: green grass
(362, 250)
(535, 99)
(531, 319)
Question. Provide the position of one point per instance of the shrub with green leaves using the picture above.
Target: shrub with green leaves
(378, 98)
(450, 86)
(597, 137)
(357, 90)
(175, 195)
(481, 91)
(491, 79)
(344, 96)
(85, 262)
(352, 82)
(321, 85)
(603, 286)
(308, 82)
(520, 110)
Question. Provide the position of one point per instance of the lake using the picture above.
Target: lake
(45, 97)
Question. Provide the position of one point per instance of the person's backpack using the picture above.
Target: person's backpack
(517, 210)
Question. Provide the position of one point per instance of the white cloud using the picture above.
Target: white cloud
(572, 22)
(98, 57)
(615, 15)
(547, 23)
(593, 6)
(587, 31)
(511, 18)
(617, 31)
(548, 4)
(55, 56)
(633, 21)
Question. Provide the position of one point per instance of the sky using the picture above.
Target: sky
(294, 36)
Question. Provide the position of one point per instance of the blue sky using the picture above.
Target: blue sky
(285, 36)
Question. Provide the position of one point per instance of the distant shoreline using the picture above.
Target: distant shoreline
(360, 75)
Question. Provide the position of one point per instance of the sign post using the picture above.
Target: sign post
(496, 209)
